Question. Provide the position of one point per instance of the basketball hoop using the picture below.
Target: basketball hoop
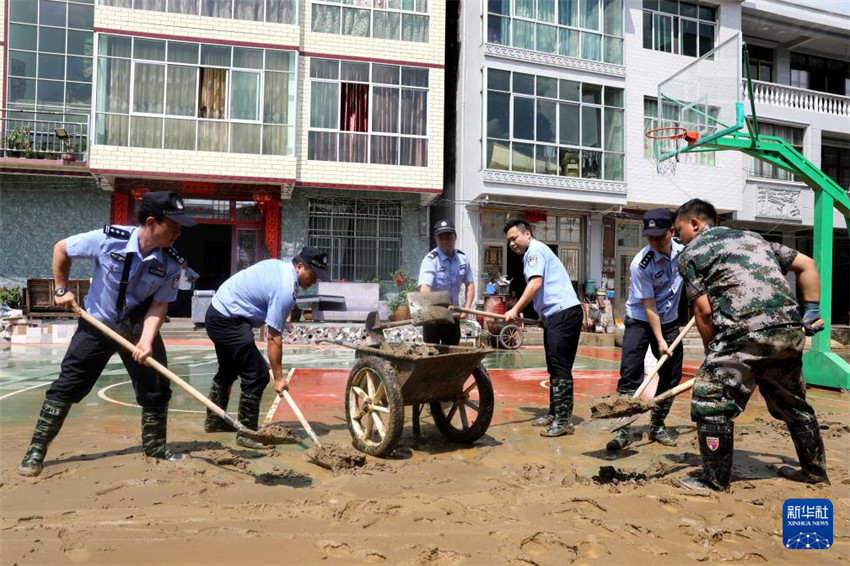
(665, 141)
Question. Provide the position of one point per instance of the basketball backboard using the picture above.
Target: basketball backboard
(705, 97)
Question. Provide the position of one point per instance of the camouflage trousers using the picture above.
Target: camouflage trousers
(770, 359)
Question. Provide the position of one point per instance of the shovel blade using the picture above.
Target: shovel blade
(622, 422)
(373, 329)
(430, 308)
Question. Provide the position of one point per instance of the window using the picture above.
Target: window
(820, 74)
(683, 28)
(835, 162)
(50, 47)
(763, 169)
(761, 63)
(405, 20)
(676, 116)
(586, 29)
(538, 124)
(361, 237)
(272, 11)
(368, 113)
(191, 96)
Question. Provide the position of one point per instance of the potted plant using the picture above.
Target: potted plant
(405, 283)
(17, 141)
(69, 153)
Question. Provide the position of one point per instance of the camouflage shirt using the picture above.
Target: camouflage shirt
(742, 274)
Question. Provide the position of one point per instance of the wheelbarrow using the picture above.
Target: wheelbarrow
(386, 378)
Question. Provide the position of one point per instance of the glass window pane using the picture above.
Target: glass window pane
(51, 92)
(614, 50)
(614, 130)
(78, 95)
(499, 7)
(183, 52)
(707, 13)
(278, 140)
(569, 42)
(687, 9)
(590, 14)
(51, 13)
(322, 146)
(114, 46)
(498, 80)
(385, 105)
(279, 100)
(113, 94)
(570, 162)
(21, 63)
(51, 40)
(247, 58)
(523, 122)
(384, 150)
(150, 49)
(569, 12)
(706, 38)
(546, 111)
(25, 11)
(81, 17)
(325, 19)
(414, 152)
(546, 160)
(663, 33)
(498, 112)
(281, 61)
(324, 105)
(591, 164)
(386, 74)
(522, 158)
(569, 124)
(591, 47)
(614, 97)
(251, 10)
(212, 136)
(354, 72)
(547, 38)
(523, 84)
(356, 22)
(414, 28)
(148, 87)
(499, 30)
(414, 112)
(353, 148)
(245, 98)
(523, 34)
(546, 10)
(689, 37)
(498, 154)
(216, 8)
(23, 37)
(669, 6)
(112, 129)
(591, 126)
(180, 134)
(387, 25)
(647, 30)
(183, 6)
(324, 68)
(591, 94)
(79, 69)
(613, 15)
(153, 5)
(569, 90)
(215, 55)
(547, 87)
(280, 11)
(245, 138)
(80, 42)
(145, 132)
(413, 76)
(181, 93)
(21, 90)
(524, 8)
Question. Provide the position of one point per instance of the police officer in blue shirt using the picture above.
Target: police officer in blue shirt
(135, 276)
(652, 319)
(555, 300)
(446, 269)
(261, 294)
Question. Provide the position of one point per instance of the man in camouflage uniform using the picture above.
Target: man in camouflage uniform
(750, 327)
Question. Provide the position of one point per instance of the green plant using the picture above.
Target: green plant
(11, 296)
(405, 283)
(18, 139)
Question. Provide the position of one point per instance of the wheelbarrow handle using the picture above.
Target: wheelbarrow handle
(497, 316)
(165, 372)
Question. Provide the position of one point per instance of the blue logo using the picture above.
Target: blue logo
(807, 524)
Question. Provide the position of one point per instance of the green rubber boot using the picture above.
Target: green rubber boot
(620, 440)
(49, 423)
(562, 394)
(657, 431)
(221, 397)
(249, 415)
(154, 429)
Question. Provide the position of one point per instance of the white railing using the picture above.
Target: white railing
(793, 97)
(43, 135)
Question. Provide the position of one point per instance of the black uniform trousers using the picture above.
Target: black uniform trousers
(637, 337)
(561, 332)
(237, 353)
(89, 352)
(446, 334)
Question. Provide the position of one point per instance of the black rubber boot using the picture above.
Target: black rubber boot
(49, 423)
(810, 452)
(562, 393)
(221, 397)
(620, 440)
(657, 431)
(249, 415)
(716, 445)
(154, 430)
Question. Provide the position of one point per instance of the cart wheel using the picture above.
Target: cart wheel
(510, 337)
(373, 406)
(467, 417)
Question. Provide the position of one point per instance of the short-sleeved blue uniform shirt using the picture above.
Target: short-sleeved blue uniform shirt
(655, 276)
(262, 294)
(156, 274)
(444, 273)
(557, 293)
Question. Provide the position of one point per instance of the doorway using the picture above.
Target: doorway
(207, 248)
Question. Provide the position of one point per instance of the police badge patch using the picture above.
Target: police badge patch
(532, 261)
(712, 442)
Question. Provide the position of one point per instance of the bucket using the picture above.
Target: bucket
(590, 287)
(495, 305)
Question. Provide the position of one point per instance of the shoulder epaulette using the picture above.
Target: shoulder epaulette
(116, 232)
(176, 255)
(433, 254)
(646, 259)
(460, 252)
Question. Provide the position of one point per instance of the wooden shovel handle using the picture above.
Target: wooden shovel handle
(497, 315)
(164, 371)
(307, 428)
(664, 358)
(682, 387)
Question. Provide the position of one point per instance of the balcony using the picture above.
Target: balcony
(799, 98)
(44, 139)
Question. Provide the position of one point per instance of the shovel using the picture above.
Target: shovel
(518, 320)
(425, 308)
(621, 422)
(632, 408)
(259, 436)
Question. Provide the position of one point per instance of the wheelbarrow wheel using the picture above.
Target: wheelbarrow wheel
(510, 337)
(467, 417)
(373, 406)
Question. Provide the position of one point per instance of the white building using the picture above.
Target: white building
(554, 99)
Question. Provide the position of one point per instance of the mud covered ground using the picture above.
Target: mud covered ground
(513, 498)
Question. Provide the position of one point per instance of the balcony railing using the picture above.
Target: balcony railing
(42, 135)
(799, 98)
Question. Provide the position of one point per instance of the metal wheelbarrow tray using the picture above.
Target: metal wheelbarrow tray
(453, 382)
